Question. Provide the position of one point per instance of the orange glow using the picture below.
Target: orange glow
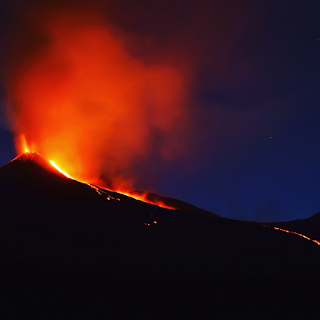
(83, 99)
(143, 197)
(298, 234)
(101, 191)
(60, 170)
(25, 147)
(22, 144)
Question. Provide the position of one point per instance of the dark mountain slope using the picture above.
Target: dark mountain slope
(170, 202)
(61, 241)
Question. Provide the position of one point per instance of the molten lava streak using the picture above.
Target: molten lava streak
(25, 148)
(60, 170)
(142, 197)
(293, 232)
(298, 234)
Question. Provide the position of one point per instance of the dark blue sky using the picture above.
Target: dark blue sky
(255, 142)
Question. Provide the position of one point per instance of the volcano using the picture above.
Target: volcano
(67, 245)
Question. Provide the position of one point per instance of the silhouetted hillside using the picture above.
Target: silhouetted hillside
(63, 245)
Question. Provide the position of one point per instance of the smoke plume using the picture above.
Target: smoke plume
(79, 97)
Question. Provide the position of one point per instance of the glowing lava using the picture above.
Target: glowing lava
(298, 234)
(142, 197)
(24, 147)
(23, 143)
(60, 170)
(85, 100)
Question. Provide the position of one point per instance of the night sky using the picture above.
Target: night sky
(254, 139)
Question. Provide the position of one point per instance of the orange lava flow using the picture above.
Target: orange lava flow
(60, 170)
(25, 148)
(298, 234)
(143, 198)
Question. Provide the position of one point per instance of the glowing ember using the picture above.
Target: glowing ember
(60, 170)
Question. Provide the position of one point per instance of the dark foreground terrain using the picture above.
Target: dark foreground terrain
(69, 253)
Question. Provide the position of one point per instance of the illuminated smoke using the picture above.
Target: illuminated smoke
(82, 100)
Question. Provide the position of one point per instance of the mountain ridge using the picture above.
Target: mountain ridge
(61, 241)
